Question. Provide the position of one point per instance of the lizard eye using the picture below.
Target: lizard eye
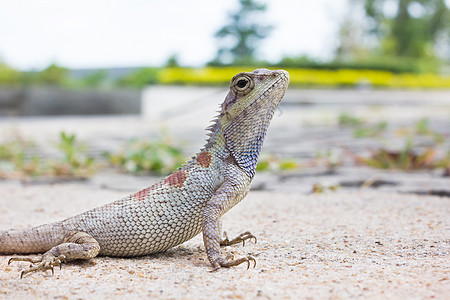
(242, 84)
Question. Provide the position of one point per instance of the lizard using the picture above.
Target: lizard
(180, 206)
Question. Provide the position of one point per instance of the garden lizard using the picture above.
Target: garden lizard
(180, 206)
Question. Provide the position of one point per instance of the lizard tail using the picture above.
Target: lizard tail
(38, 239)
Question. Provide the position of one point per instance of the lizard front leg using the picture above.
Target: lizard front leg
(224, 198)
(76, 245)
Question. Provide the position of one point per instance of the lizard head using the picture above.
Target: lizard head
(261, 88)
(247, 111)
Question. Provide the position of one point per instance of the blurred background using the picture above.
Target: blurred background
(128, 84)
(80, 44)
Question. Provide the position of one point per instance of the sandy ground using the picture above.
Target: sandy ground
(339, 245)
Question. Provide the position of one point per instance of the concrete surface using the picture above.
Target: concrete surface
(376, 243)
(363, 245)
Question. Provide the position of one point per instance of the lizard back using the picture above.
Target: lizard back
(156, 218)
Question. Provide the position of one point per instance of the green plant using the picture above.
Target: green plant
(263, 165)
(140, 78)
(348, 120)
(394, 65)
(52, 75)
(9, 76)
(75, 161)
(159, 156)
(370, 131)
(307, 77)
(17, 162)
(272, 163)
(404, 159)
(319, 188)
(328, 159)
(422, 127)
(95, 79)
(407, 158)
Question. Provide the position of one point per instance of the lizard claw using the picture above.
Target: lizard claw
(230, 256)
(43, 263)
(240, 238)
(251, 258)
(231, 262)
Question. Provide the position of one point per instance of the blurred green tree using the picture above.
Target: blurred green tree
(139, 78)
(172, 61)
(408, 28)
(238, 38)
(52, 75)
(9, 76)
(95, 79)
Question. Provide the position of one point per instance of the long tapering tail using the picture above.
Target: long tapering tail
(37, 239)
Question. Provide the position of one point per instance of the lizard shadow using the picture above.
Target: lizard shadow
(193, 256)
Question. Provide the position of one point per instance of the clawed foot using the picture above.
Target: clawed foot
(240, 238)
(229, 261)
(45, 262)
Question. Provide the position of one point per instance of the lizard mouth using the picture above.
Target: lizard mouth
(268, 96)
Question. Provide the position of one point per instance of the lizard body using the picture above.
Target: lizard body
(180, 206)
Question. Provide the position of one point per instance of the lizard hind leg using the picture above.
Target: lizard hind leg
(76, 245)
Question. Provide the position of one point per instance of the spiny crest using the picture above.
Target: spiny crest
(213, 129)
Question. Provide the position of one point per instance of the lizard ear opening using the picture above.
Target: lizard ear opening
(242, 84)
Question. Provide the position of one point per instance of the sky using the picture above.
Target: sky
(130, 33)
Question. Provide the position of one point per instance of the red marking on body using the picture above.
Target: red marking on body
(142, 194)
(177, 179)
(204, 159)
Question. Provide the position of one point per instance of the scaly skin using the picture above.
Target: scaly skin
(180, 206)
